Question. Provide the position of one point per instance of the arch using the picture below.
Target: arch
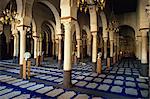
(56, 15)
(52, 25)
(89, 38)
(104, 24)
(127, 40)
(86, 28)
(34, 28)
(129, 25)
(77, 27)
(19, 7)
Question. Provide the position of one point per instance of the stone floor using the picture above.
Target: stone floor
(121, 81)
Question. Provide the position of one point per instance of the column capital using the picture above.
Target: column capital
(60, 36)
(144, 32)
(105, 39)
(94, 33)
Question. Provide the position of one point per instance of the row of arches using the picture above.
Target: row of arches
(48, 30)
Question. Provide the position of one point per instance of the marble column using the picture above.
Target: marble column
(139, 47)
(16, 46)
(60, 51)
(78, 49)
(35, 38)
(111, 48)
(105, 47)
(144, 47)
(94, 50)
(67, 55)
(53, 48)
(1, 31)
(56, 48)
(22, 43)
(144, 53)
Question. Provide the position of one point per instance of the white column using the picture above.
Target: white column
(22, 44)
(47, 47)
(16, 44)
(40, 46)
(111, 39)
(67, 47)
(59, 47)
(94, 47)
(105, 47)
(56, 47)
(137, 44)
(139, 47)
(35, 46)
(78, 48)
(53, 47)
(89, 49)
(111, 48)
(144, 47)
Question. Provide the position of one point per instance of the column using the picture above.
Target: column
(22, 44)
(89, 48)
(53, 48)
(144, 50)
(111, 38)
(144, 47)
(105, 47)
(59, 51)
(1, 31)
(94, 50)
(16, 46)
(35, 38)
(144, 54)
(67, 55)
(139, 47)
(40, 50)
(117, 52)
(56, 48)
(47, 43)
(111, 48)
(78, 49)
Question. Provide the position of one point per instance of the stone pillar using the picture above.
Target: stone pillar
(53, 53)
(144, 50)
(16, 46)
(78, 49)
(105, 47)
(137, 54)
(1, 31)
(111, 48)
(56, 48)
(139, 47)
(94, 50)
(144, 47)
(67, 55)
(89, 49)
(47, 43)
(22, 43)
(35, 38)
(59, 51)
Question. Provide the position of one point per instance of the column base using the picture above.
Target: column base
(78, 60)
(111, 60)
(60, 65)
(21, 71)
(94, 67)
(15, 59)
(67, 79)
(99, 66)
(108, 63)
(144, 70)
